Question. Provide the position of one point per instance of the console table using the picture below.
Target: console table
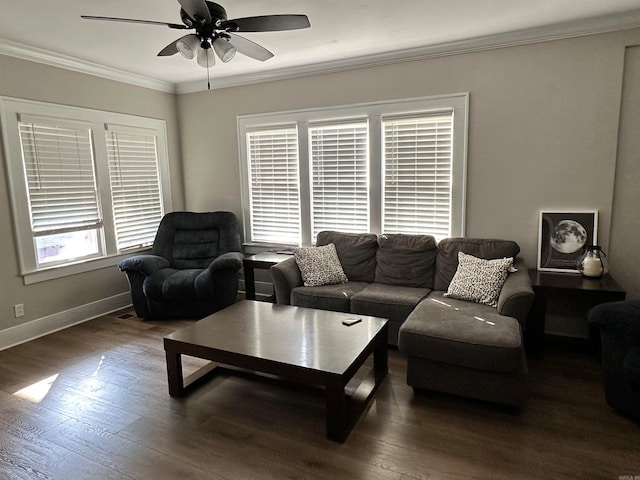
(262, 261)
(588, 291)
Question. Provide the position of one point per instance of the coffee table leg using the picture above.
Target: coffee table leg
(336, 402)
(174, 373)
(381, 357)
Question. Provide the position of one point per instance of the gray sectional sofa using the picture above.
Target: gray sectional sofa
(455, 346)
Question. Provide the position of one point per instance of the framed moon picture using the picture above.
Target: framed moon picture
(562, 238)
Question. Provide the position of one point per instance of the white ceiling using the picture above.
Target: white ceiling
(343, 33)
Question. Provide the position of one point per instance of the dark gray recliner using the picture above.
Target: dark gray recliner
(193, 267)
(619, 326)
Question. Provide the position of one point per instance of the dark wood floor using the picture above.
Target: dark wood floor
(91, 402)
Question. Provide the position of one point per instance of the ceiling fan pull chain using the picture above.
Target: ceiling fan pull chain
(208, 78)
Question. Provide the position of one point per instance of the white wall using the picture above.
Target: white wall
(543, 129)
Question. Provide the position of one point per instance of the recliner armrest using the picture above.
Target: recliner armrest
(516, 297)
(222, 270)
(286, 276)
(231, 260)
(623, 318)
(145, 264)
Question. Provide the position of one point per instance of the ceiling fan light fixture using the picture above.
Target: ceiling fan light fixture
(188, 46)
(205, 57)
(224, 49)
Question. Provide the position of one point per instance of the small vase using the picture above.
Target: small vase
(592, 263)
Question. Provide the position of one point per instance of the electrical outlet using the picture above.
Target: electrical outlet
(18, 310)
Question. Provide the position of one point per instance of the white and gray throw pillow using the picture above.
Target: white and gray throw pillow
(319, 265)
(478, 280)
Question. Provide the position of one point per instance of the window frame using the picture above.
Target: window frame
(98, 120)
(374, 113)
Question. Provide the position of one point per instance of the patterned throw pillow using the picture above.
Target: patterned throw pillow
(479, 280)
(319, 265)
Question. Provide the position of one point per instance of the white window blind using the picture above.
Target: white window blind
(135, 185)
(339, 172)
(274, 186)
(395, 166)
(418, 174)
(60, 176)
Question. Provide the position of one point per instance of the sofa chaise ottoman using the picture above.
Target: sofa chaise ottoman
(453, 346)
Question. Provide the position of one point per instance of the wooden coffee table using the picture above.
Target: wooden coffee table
(298, 344)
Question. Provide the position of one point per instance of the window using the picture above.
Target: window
(339, 179)
(86, 185)
(135, 185)
(275, 199)
(61, 187)
(417, 174)
(387, 167)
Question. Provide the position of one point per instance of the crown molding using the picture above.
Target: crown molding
(611, 23)
(46, 57)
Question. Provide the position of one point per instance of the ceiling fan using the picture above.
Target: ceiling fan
(214, 32)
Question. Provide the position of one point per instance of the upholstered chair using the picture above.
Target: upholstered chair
(192, 270)
(619, 326)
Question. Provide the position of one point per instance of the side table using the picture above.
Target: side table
(262, 261)
(588, 291)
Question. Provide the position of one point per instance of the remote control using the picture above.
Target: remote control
(351, 321)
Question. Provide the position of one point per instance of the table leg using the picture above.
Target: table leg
(343, 410)
(336, 405)
(381, 356)
(249, 282)
(174, 373)
(534, 335)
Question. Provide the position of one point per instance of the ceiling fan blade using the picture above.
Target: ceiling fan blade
(196, 8)
(133, 20)
(249, 48)
(169, 50)
(268, 23)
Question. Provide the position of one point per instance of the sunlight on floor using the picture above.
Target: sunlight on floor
(36, 392)
(95, 373)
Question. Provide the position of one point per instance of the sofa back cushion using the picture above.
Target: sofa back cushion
(356, 251)
(195, 239)
(486, 248)
(406, 260)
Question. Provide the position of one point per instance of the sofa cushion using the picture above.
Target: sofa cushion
(447, 258)
(387, 301)
(478, 280)
(406, 260)
(357, 253)
(462, 333)
(319, 265)
(193, 240)
(327, 297)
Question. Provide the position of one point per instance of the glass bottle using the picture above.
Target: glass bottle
(592, 263)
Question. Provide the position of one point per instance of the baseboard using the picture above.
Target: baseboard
(52, 323)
